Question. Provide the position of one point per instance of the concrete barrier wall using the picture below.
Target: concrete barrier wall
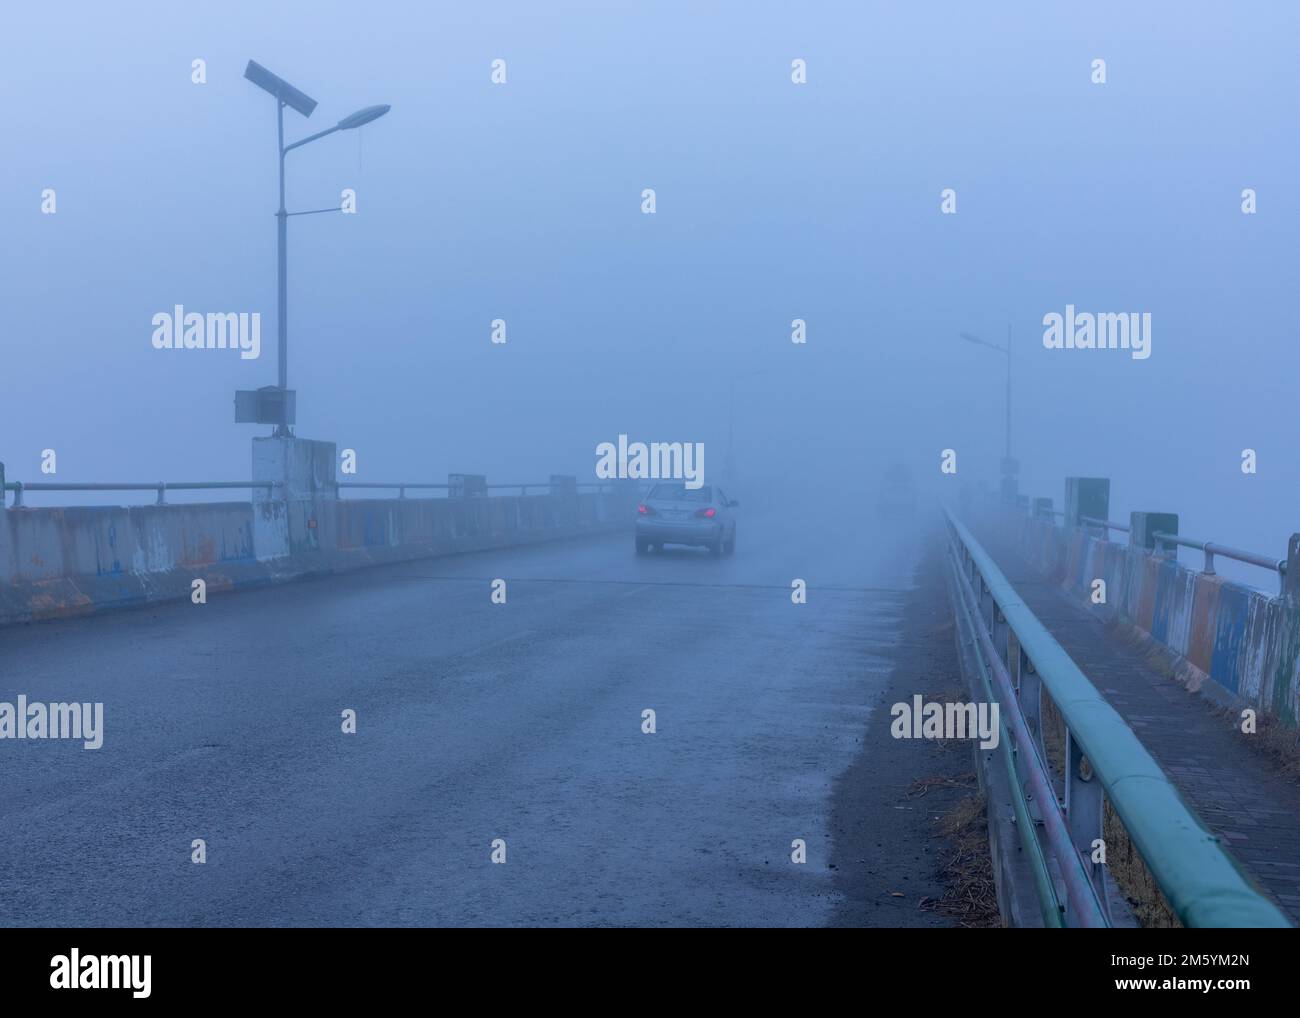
(57, 562)
(1234, 643)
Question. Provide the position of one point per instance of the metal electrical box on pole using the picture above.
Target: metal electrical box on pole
(267, 405)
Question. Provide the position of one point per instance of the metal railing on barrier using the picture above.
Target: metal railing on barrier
(1018, 661)
(1209, 548)
(161, 487)
(401, 488)
(18, 488)
(1123, 528)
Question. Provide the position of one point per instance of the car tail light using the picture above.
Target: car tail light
(645, 510)
(706, 514)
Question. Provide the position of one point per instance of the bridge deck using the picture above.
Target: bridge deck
(1243, 796)
(477, 721)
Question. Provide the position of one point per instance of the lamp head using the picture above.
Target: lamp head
(363, 117)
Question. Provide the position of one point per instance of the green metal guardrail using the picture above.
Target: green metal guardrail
(1048, 901)
(1200, 880)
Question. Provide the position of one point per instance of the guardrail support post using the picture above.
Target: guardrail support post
(18, 494)
(1142, 530)
(1001, 635)
(1025, 683)
(1031, 701)
(1028, 692)
(1084, 803)
(1015, 659)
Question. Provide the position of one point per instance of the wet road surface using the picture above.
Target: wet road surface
(475, 721)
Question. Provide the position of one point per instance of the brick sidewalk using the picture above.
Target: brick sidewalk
(1240, 794)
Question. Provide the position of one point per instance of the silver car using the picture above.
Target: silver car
(674, 514)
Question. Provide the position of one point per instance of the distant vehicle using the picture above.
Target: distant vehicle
(897, 492)
(675, 514)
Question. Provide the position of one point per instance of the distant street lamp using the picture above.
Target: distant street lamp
(261, 406)
(1009, 466)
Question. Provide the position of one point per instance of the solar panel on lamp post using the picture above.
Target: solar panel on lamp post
(286, 95)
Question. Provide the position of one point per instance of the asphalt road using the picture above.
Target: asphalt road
(475, 722)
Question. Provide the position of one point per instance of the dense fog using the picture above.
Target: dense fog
(939, 169)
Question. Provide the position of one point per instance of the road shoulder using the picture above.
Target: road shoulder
(910, 839)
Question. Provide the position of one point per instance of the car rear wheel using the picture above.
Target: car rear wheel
(730, 546)
(642, 546)
(717, 547)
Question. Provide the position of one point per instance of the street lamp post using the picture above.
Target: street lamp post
(278, 410)
(1009, 466)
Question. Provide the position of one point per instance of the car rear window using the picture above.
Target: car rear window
(681, 493)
